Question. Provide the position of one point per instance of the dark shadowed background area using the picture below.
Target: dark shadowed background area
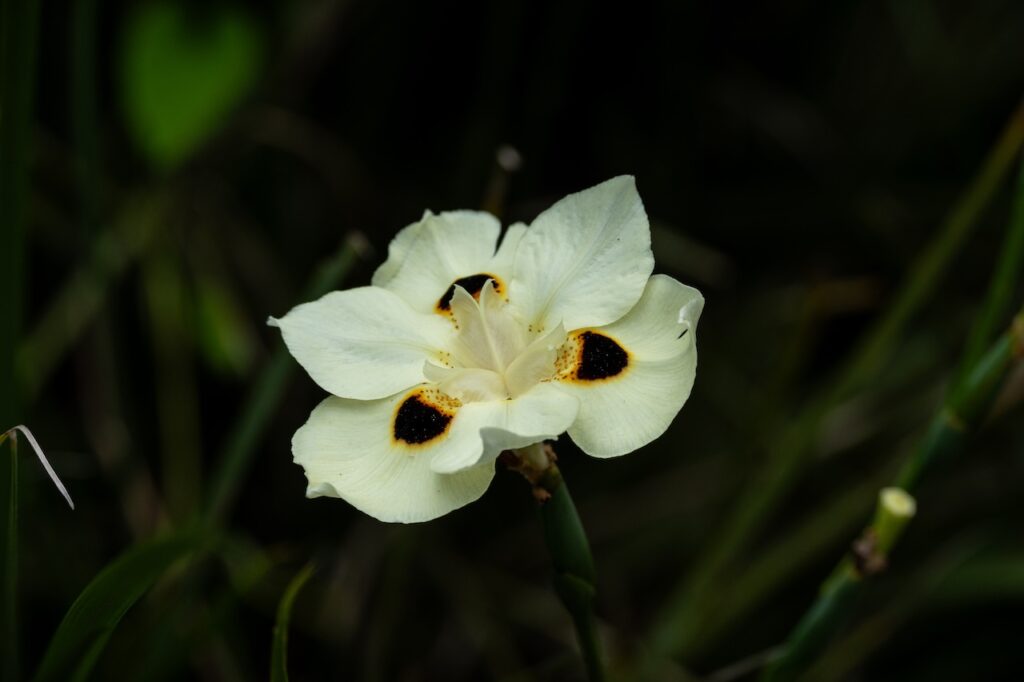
(193, 167)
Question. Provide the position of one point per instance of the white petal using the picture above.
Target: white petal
(426, 258)
(505, 258)
(364, 343)
(542, 413)
(347, 451)
(585, 260)
(398, 249)
(626, 411)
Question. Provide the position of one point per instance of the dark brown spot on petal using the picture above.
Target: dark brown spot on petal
(473, 284)
(600, 357)
(419, 419)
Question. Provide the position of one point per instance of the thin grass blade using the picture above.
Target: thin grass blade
(92, 619)
(279, 648)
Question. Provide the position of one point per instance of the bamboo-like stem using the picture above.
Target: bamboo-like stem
(680, 623)
(234, 459)
(963, 412)
(575, 576)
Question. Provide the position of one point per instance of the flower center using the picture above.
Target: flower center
(494, 355)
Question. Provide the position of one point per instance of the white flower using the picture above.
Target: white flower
(461, 349)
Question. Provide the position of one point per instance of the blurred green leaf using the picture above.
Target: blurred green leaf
(91, 620)
(279, 652)
(181, 74)
(224, 339)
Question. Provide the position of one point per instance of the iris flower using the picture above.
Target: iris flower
(462, 348)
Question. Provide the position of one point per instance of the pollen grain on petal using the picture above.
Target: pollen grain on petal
(474, 284)
(591, 356)
(423, 416)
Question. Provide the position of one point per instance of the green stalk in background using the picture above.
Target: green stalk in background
(234, 460)
(9, 565)
(19, 21)
(19, 25)
(85, 111)
(965, 408)
(679, 625)
(1004, 283)
(177, 393)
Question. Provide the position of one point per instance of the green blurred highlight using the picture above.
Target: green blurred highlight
(223, 336)
(183, 70)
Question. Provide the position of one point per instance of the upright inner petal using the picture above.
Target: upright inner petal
(489, 337)
(494, 355)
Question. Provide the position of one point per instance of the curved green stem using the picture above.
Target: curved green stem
(575, 577)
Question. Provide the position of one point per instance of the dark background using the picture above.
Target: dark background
(795, 158)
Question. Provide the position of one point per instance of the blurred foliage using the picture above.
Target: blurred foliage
(182, 70)
(189, 166)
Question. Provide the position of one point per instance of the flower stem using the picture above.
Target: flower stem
(965, 408)
(575, 577)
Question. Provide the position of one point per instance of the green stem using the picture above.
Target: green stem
(965, 408)
(680, 624)
(1004, 283)
(19, 21)
(261, 402)
(9, 569)
(575, 576)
